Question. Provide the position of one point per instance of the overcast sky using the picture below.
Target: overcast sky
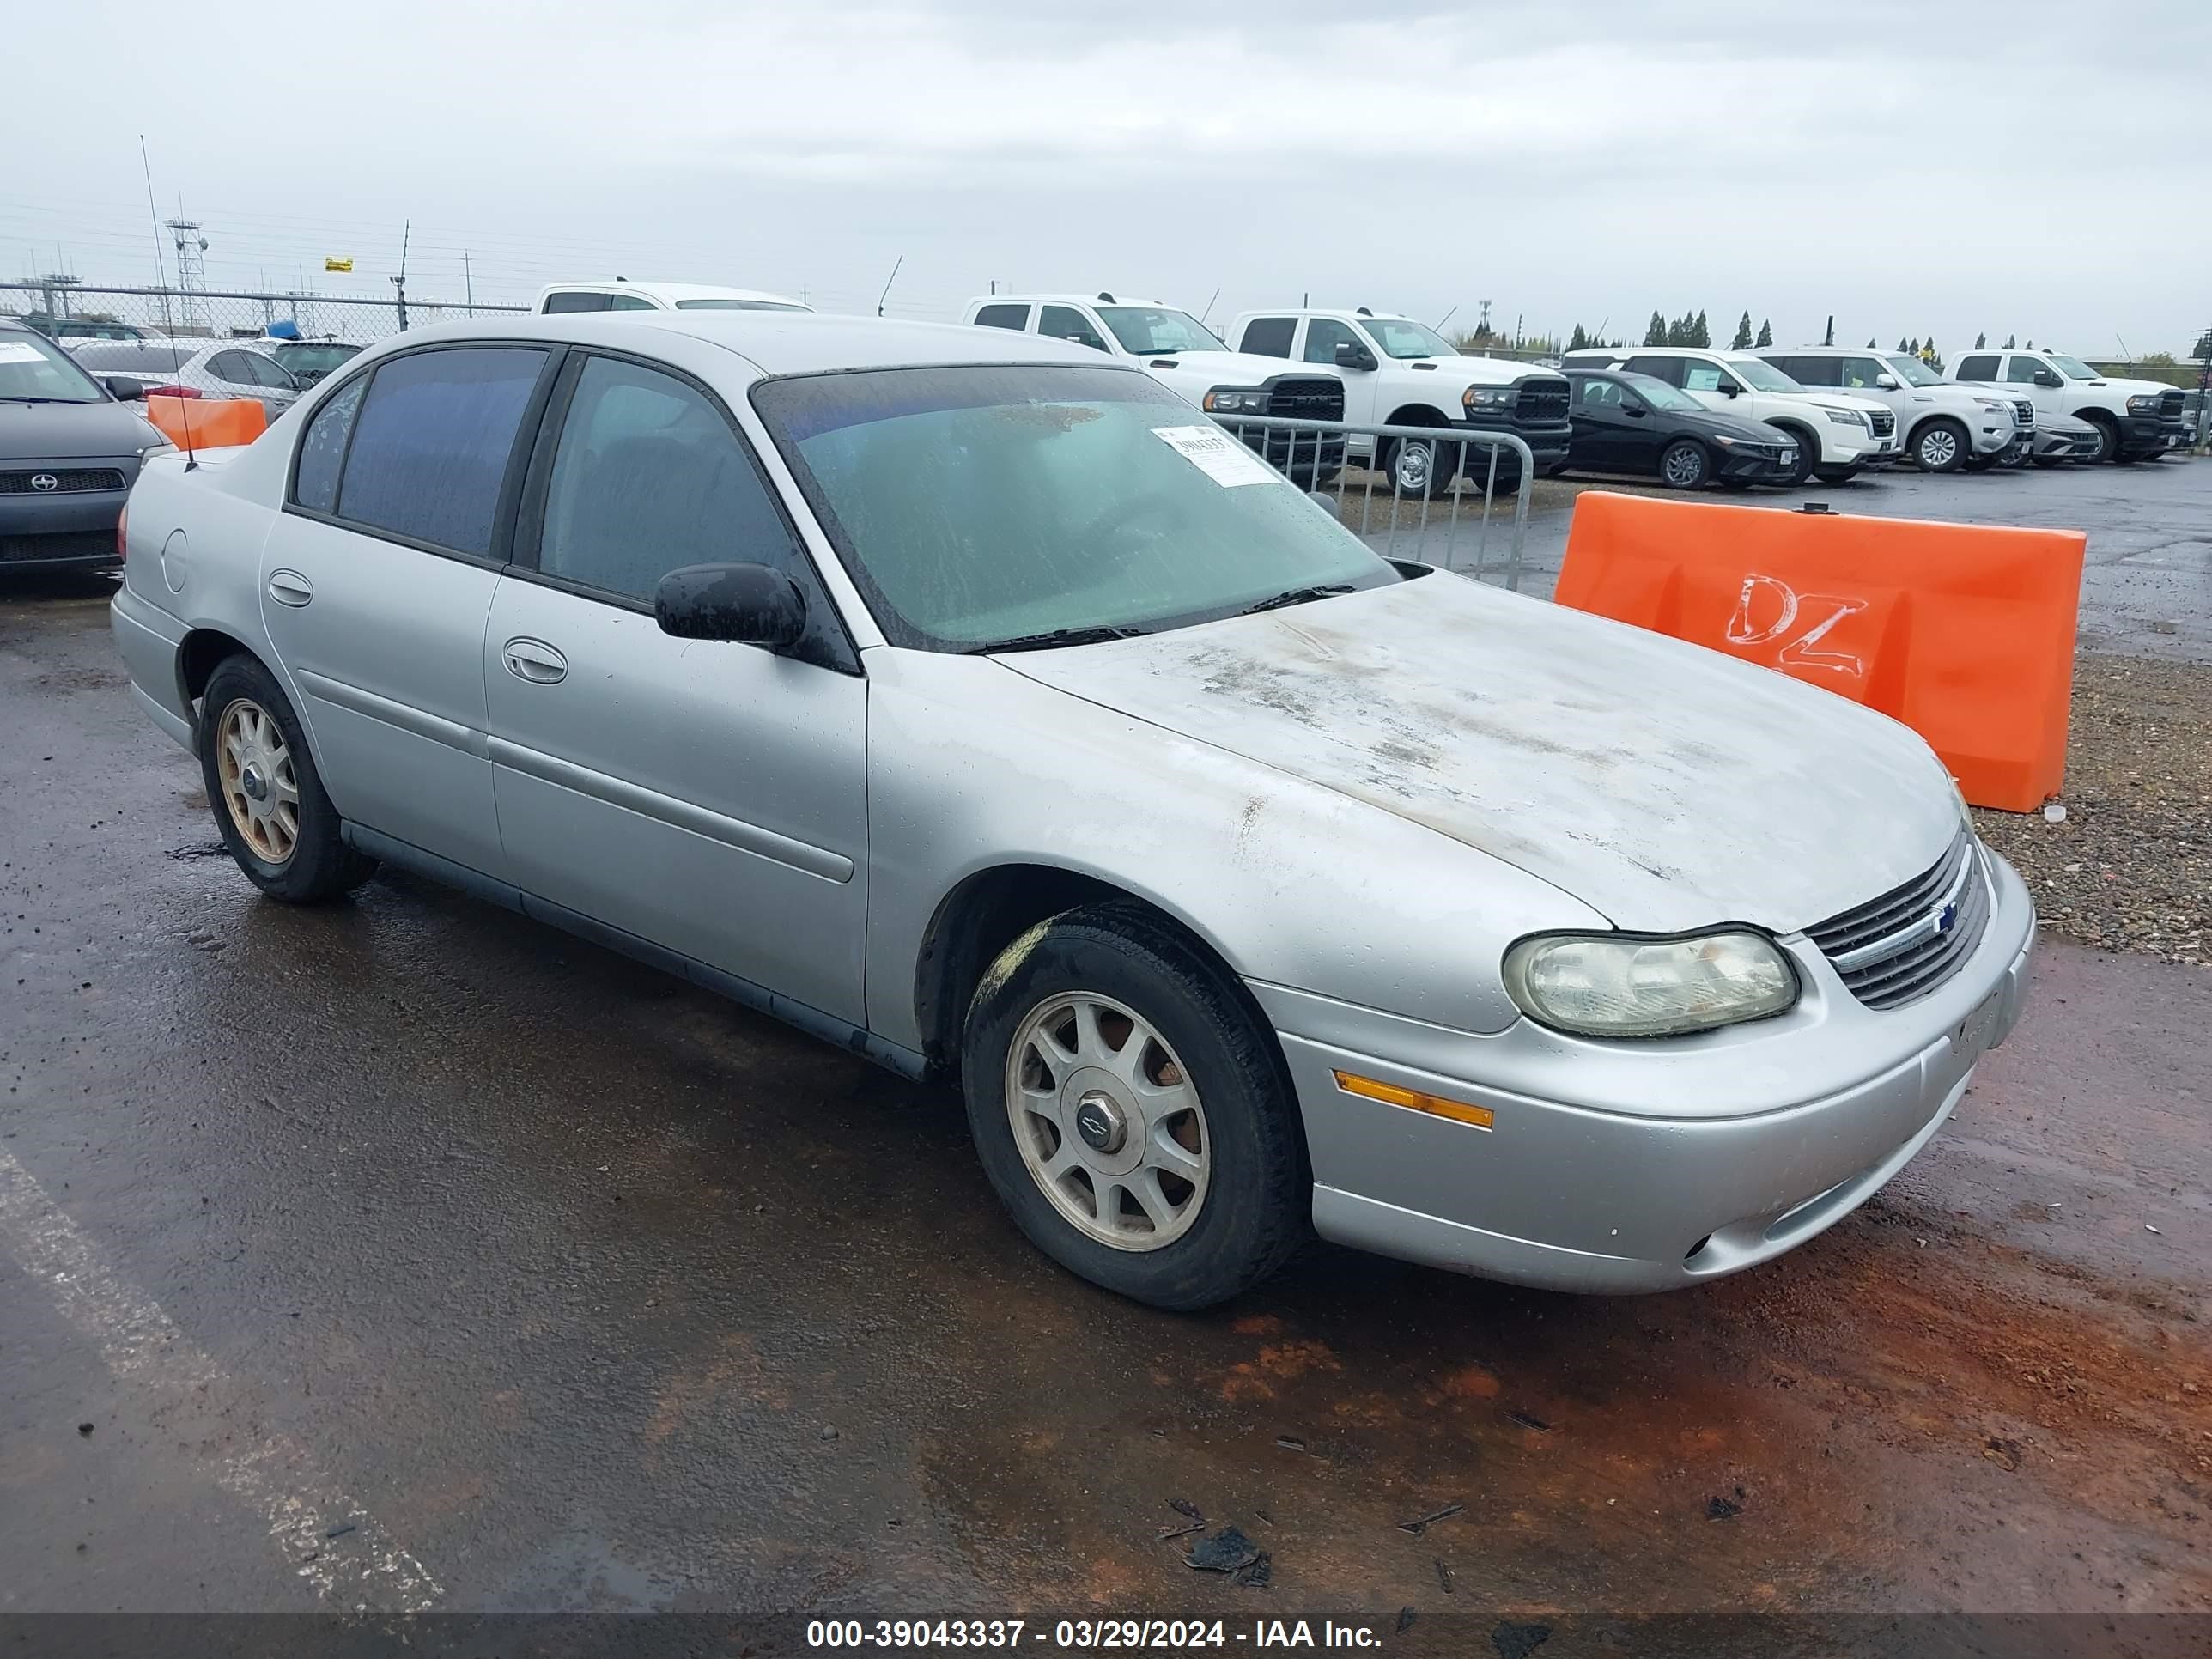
(1914, 168)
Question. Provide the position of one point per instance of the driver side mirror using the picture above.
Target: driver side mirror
(736, 604)
(124, 391)
(1728, 388)
(1350, 353)
(1885, 382)
(1630, 406)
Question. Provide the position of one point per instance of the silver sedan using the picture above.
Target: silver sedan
(1003, 720)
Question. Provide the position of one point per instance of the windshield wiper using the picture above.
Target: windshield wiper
(1297, 596)
(13, 399)
(1053, 639)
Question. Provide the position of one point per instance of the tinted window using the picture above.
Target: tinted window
(1978, 369)
(649, 477)
(2022, 371)
(557, 303)
(1065, 323)
(1668, 369)
(1269, 337)
(1808, 370)
(1597, 394)
(1013, 317)
(1324, 335)
(431, 445)
(267, 371)
(322, 450)
(232, 366)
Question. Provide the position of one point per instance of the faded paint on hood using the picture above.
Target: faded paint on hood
(1665, 785)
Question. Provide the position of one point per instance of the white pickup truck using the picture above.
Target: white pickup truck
(2135, 420)
(1183, 354)
(1399, 372)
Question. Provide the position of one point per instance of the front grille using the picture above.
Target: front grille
(1881, 422)
(73, 544)
(2023, 413)
(1897, 948)
(65, 481)
(1540, 402)
(1315, 398)
(2169, 406)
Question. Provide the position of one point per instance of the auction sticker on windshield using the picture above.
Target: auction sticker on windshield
(21, 351)
(1216, 454)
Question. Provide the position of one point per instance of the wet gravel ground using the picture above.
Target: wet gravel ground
(2130, 867)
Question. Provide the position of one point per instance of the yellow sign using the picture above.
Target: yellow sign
(334, 263)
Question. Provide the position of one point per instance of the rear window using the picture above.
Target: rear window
(433, 441)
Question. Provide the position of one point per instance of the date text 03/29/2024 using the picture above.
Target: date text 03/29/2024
(1124, 1635)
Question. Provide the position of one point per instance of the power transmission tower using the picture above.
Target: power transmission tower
(191, 269)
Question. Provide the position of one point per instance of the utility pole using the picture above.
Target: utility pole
(469, 281)
(1830, 338)
(54, 287)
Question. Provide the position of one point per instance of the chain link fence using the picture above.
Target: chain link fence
(69, 311)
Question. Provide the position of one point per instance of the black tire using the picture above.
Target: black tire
(1558, 471)
(1684, 464)
(1978, 463)
(2108, 436)
(1735, 486)
(1942, 445)
(1254, 1212)
(1808, 452)
(319, 865)
(1835, 475)
(2052, 460)
(1443, 465)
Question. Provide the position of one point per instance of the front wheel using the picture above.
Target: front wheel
(2108, 437)
(1131, 1113)
(1419, 466)
(263, 788)
(1942, 446)
(1809, 453)
(1685, 466)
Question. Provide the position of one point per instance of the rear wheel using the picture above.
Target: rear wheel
(1942, 446)
(1685, 466)
(1131, 1113)
(261, 785)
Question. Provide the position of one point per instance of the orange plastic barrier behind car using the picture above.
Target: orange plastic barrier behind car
(1963, 632)
(207, 422)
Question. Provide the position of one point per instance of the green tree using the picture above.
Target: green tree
(1981, 343)
(1765, 335)
(1901, 344)
(1742, 341)
(1700, 333)
(1871, 346)
(1577, 340)
(1656, 333)
(2010, 339)
(2202, 353)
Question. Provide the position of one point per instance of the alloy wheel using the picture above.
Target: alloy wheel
(1939, 447)
(258, 787)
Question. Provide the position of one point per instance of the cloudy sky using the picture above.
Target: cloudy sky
(1914, 168)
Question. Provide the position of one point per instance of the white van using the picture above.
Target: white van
(620, 294)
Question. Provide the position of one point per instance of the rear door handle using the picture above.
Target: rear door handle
(290, 587)
(535, 661)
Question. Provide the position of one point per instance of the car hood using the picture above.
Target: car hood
(1839, 400)
(2132, 388)
(59, 432)
(1235, 368)
(1711, 423)
(1666, 786)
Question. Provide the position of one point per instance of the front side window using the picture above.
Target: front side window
(1910, 370)
(2022, 371)
(2073, 368)
(1860, 373)
(1598, 394)
(33, 371)
(1762, 375)
(1066, 323)
(1404, 338)
(323, 447)
(1151, 331)
(975, 506)
(1268, 336)
(1324, 335)
(433, 441)
(558, 305)
(627, 302)
(1003, 316)
(1702, 377)
(649, 477)
(1660, 395)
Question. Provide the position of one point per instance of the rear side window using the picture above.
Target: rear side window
(557, 304)
(1269, 337)
(1013, 317)
(1065, 323)
(432, 442)
(1668, 369)
(1808, 370)
(1977, 368)
(322, 451)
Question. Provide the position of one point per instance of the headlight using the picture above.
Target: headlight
(1485, 397)
(1847, 417)
(1218, 402)
(2144, 402)
(1723, 440)
(1994, 405)
(1604, 985)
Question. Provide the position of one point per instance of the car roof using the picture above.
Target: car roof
(672, 292)
(1072, 299)
(784, 342)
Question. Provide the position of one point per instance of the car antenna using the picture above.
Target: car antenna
(161, 275)
(1446, 317)
(1210, 304)
(888, 280)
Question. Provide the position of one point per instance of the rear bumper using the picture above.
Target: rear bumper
(1567, 1192)
(148, 640)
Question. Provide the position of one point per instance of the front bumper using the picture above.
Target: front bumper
(2151, 434)
(1619, 1167)
(1744, 466)
(1547, 441)
(69, 529)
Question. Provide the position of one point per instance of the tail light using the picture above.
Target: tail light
(172, 392)
(122, 535)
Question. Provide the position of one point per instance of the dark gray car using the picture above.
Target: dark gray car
(69, 454)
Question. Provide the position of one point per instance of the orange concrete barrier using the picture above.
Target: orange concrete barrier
(207, 422)
(1963, 632)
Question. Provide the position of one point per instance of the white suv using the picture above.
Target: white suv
(2135, 420)
(620, 294)
(1183, 355)
(1941, 426)
(1836, 434)
(1398, 372)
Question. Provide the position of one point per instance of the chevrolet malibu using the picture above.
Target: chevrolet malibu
(978, 706)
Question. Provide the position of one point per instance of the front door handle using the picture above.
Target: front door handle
(290, 587)
(535, 661)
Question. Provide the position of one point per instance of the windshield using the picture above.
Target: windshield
(738, 305)
(1143, 330)
(1910, 370)
(2073, 368)
(1657, 393)
(32, 369)
(1761, 375)
(1401, 337)
(975, 506)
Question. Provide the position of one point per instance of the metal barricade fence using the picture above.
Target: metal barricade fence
(1429, 530)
